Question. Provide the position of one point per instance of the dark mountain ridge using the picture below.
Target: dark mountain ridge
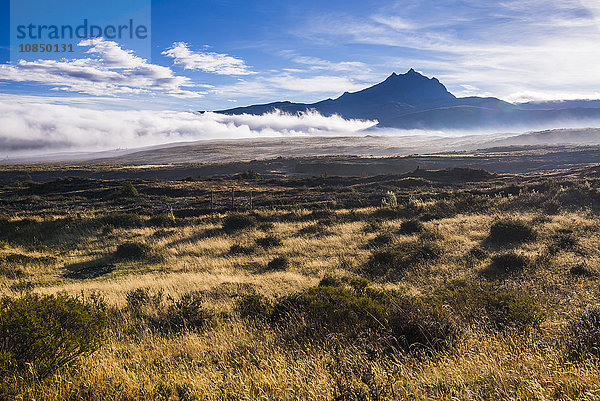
(414, 101)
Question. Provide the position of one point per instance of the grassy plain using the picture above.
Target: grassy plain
(463, 285)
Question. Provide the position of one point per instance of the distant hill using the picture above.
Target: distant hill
(585, 136)
(414, 101)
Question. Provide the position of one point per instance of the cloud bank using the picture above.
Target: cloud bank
(36, 129)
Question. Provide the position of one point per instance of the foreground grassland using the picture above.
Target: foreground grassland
(452, 284)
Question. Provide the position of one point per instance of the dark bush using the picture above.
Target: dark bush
(564, 242)
(325, 310)
(122, 220)
(237, 249)
(508, 263)
(266, 226)
(183, 314)
(484, 304)
(270, 241)
(370, 314)
(324, 215)
(162, 220)
(420, 326)
(249, 175)
(381, 240)
(402, 258)
(412, 226)
(254, 306)
(477, 253)
(511, 231)
(381, 262)
(141, 301)
(279, 263)
(583, 334)
(40, 334)
(166, 315)
(385, 213)
(236, 222)
(317, 229)
(133, 251)
(330, 281)
(583, 270)
(551, 207)
(359, 284)
(127, 190)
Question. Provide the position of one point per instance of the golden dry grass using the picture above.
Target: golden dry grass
(235, 359)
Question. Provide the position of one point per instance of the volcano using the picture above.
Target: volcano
(414, 101)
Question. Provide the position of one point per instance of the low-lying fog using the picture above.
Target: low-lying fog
(30, 130)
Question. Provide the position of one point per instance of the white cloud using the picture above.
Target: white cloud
(316, 63)
(110, 71)
(279, 85)
(506, 48)
(35, 128)
(317, 84)
(215, 63)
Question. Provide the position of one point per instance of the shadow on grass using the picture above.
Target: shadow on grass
(90, 269)
(203, 234)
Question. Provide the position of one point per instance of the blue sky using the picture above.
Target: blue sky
(216, 54)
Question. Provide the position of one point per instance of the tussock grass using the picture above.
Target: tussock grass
(504, 290)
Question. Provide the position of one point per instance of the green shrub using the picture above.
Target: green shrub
(389, 199)
(140, 301)
(40, 334)
(122, 220)
(166, 315)
(237, 222)
(249, 175)
(162, 220)
(477, 253)
(183, 314)
(382, 240)
(421, 326)
(270, 241)
(133, 251)
(254, 306)
(563, 242)
(330, 281)
(583, 334)
(266, 226)
(325, 310)
(237, 249)
(278, 263)
(511, 231)
(381, 262)
(583, 270)
(359, 284)
(508, 263)
(318, 229)
(319, 312)
(402, 258)
(484, 304)
(127, 190)
(412, 226)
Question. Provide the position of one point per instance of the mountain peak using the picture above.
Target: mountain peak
(409, 88)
